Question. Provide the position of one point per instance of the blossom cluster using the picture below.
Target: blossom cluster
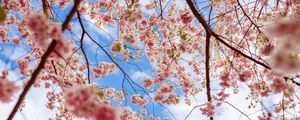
(166, 95)
(280, 85)
(7, 88)
(138, 100)
(42, 31)
(172, 41)
(208, 110)
(286, 32)
(104, 69)
(112, 93)
(82, 102)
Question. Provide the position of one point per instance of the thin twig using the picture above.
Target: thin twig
(209, 30)
(237, 109)
(81, 47)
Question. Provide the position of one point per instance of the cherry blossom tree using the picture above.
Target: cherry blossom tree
(196, 49)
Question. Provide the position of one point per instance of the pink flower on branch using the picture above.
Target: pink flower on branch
(7, 88)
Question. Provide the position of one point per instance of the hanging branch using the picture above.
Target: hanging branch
(211, 32)
(192, 111)
(161, 10)
(244, 12)
(42, 63)
(81, 47)
(207, 56)
(201, 19)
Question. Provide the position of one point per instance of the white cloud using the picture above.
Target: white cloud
(181, 110)
(225, 111)
(106, 31)
(36, 99)
(138, 75)
(34, 109)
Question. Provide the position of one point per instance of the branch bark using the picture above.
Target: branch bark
(42, 63)
(207, 56)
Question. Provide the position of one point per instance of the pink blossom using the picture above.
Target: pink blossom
(148, 83)
(7, 89)
(269, 117)
(47, 85)
(24, 65)
(225, 79)
(109, 92)
(64, 48)
(119, 96)
(244, 76)
(39, 27)
(208, 110)
(80, 96)
(63, 3)
(55, 31)
(277, 108)
(80, 100)
(280, 85)
(106, 112)
(264, 2)
(106, 18)
(129, 38)
(4, 74)
(116, 47)
(138, 100)
(149, 6)
(266, 50)
(186, 18)
(3, 34)
(104, 69)
(12, 5)
(51, 100)
(166, 88)
(16, 40)
(152, 117)
(143, 111)
(171, 99)
(128, 114)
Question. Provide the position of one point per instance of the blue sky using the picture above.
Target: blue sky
(35, 107)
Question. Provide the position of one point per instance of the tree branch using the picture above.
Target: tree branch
(211, 32)
(42, 63)
(81, 47)
(161, 10)
(207, 56)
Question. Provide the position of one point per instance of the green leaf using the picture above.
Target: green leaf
(100, 94)
(2, 14)
(125, 46)
(130, 6)
(183, 37)
(286, 94)
(174, 48)
(171, 55)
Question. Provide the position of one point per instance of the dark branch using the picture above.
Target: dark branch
(211, 32)
(207, 57)
(42, 63)
(81, 47)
